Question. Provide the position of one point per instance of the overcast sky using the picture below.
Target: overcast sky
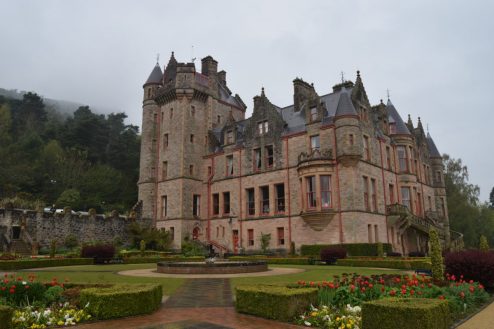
(435, 57)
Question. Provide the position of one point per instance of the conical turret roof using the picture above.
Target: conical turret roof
(155, 76)
(433, 151)
(345, 106)
(394, 117)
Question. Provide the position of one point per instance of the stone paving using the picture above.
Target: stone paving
(197, 304)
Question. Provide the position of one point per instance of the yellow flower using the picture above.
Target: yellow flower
(313, 314)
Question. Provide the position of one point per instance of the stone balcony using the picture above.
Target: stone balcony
(315, 158)
(318, 219)
(400, 215)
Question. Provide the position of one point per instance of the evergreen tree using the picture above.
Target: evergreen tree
(483, 245)
(436, 256)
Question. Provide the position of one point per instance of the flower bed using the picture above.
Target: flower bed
(350, 289)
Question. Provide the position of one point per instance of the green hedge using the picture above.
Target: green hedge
(274, 302)
(142, 260)
(406, 313)
(147, 253)
(121, 300)
(352, 249)
(274, 260)
(12, 265)
(6, 314)
(386, 263)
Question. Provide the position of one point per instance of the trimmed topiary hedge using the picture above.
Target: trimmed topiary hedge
(408, 264)
(121, 300)
(274, 302)
(6, 314)
(143, 260)
(274, 260)
(12, 265)
(406, 313)
(352, 249)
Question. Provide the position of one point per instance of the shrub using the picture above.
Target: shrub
(483, 245)
(193, 248)
(405, 264)
(142, 247)
(436, 256)
(12, 265)
(406, 313)
(53, 248)
(121, 300)
(353, 249)
(380, 249)
(473, 265)
(100, 253)
(71, 241)
(53, 294)
(274, 302)
(6, 314)
(7, 256)
(265, 239)
(330, 255)
(393, 254)
(416, 254)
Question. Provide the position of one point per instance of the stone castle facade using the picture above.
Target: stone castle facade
(328, 169)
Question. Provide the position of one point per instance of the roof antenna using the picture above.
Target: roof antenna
(387, 92)
(192, 54)
(157, 58)
(342, 77)
(427, 129)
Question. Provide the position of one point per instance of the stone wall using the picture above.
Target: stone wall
(45, 227)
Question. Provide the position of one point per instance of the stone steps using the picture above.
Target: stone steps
(20, 247)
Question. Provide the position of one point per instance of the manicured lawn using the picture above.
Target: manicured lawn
(108, 274)
(312, 273)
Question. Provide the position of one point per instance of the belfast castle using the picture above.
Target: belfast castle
(328, 169)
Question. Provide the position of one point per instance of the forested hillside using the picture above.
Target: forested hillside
(83, 161)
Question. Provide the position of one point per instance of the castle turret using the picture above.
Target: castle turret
(348, 131)
(150, 119)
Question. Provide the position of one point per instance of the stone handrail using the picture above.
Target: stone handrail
(316, 154)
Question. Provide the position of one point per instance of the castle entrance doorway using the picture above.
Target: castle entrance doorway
(16, 232)
(235, 241)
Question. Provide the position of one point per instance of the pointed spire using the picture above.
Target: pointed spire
(262, 92)
(433, 151)
(155, 76)
(358, 91)
(345, 106)
(394, 117)
(419, 125)
(170, 69)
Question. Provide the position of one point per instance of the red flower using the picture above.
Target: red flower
(26, 286)
(352, 288)
(412, 292)
(371, 285)
(403, 291)
(481, 286)
(392, 293)
(12, 291)
(441, 297)
(462, 295)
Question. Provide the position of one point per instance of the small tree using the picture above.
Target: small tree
(53, 248)
(265, 239)
(483, 245)
(142, 247)
(380, 249)
(436, 256)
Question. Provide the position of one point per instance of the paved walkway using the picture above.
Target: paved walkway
(197, 304)
(482, 320)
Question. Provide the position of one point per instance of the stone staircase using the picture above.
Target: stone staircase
(20, 247)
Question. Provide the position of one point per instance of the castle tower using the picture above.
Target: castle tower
(147, 168)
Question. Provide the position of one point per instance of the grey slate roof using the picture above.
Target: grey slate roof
(345, 106)
(394, 117)
(155, 76)
(226, 96)
(433, 151)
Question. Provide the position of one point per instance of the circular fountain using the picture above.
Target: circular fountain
(212, 267)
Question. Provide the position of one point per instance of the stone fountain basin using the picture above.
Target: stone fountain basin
(218, 267)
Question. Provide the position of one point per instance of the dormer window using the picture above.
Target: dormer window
(262, 127)
(364, 114)
(314, 143)
(392, 128)
(313, 114)
(229, 137)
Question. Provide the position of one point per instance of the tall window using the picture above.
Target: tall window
(412, 160)
(164, 170)
(257, 160)
(196, 205)
(391, 194)
(392, 128)
(192, 111)
(165, 140)
(402, 158)
(388, 157)
(164, 206)
(311, 191)
(229, 137)
(419, 203)
(262, 127)
(192, 138)
(366, 148)
(172, 233)
(229, 165)
(442, 207)
(218, 119)
(191, 170)
(325, 186)
(269, 156)
(429, 201)
(366, 193)
(376, 234)
(250, 237)
(373, 194)
(281, 236)
(251, 203)
(226, 202)
(351, 139)
(369, 232)
(264, 200)
(171, 113)
(216, 204)
(313, 114)
(438, 176)
(405, 197)
(314, 143)
(280, 198)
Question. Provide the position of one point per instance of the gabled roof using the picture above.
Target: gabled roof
(345, 105)
(394, 117)
(433, 151)
(155, 76)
